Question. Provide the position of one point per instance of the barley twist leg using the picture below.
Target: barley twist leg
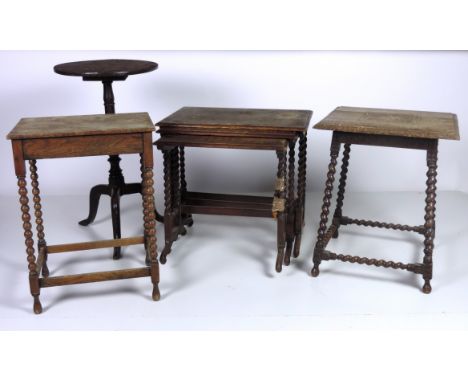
(341, 188)
(186, 218)
(168, 211)
(279, 207)
(176, 196)
(301, 187)
(150, 228)
(29, 241)
(41, 243)
(429, 218)
(290, 204)
(319, 246)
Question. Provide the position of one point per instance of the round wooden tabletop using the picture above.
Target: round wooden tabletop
(100, 70)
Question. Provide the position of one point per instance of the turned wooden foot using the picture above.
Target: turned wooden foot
(315, 271)
(156, 295)
(427, 288)
(37, 307)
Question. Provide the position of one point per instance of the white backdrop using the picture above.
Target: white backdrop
(320, 81)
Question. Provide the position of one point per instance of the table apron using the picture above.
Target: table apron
(89, 145)
(384, 140)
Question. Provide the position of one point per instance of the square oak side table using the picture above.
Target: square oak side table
(251, 129)
(78, 136)
(386, 128)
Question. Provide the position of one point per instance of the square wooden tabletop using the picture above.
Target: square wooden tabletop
(403, 123)
(72, 126)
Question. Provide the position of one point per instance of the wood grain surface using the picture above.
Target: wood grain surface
(404, 123)
(72, 126)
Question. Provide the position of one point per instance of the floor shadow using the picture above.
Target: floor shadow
(263, 253)
(73, 295)
(410, 279)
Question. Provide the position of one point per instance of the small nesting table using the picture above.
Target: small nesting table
(78, 136)
(254, 129)
(108, 71)
(388, 128)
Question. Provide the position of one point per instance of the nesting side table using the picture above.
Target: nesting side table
(387, 128)
(254, 129)
(108, 71)
(78, 136)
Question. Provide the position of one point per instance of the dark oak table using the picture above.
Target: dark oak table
(108, 71)
(78, 136)
(253, 129)
(388, 128)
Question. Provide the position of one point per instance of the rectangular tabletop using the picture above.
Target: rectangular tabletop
(403, 123)
(232, 121)
(81, 125)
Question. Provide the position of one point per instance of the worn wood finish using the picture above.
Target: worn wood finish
(250, 129)
(108, 71)
(81, 125)
(400, 123)
(23, 138)
(411, 130)
(232, 118)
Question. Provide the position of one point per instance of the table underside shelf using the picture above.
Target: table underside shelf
(226, 204)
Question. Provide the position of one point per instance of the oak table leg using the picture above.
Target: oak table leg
(186, 218)
(341, 189)
(301, 187)
(176, 198)
(150, 224)
(29, 241)
(147, 192)
(279, 207)
(41, 243)
(168, 212)
(290, 205)
(320, 245)
(429, 218)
